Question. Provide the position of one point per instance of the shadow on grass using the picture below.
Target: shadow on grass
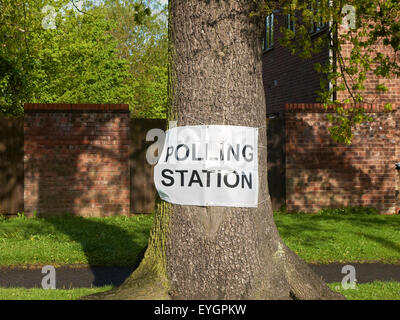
(384, 242)
(104, 244)
(313, 230)
(309, 236)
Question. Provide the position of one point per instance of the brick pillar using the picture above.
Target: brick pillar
(76, 159)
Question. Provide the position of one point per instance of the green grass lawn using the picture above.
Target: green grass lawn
(323, 238)
(42, 294)
(117, 241)
(73, 240)
(370, 291)
(377, 290)
(326, 238)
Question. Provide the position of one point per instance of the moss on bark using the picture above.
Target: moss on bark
(149, 281)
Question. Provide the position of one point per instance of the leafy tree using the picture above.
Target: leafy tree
(145, 46)
(151, 69)
(77, 61)
(111, 52)
(80, 62)
(372, 36)
(15, 62)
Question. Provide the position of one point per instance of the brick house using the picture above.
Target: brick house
(307, 170)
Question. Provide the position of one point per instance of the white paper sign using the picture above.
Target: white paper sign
(209, 166)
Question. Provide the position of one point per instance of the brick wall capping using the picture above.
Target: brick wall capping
(79, 107)
(320, 108)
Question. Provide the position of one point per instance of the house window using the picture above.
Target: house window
(269, 32)
(291, 22)
(318, 24)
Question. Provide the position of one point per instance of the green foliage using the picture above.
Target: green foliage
(388, 107)
(148, 61)
(344, 120)
(21, 216)
(144, 46)
(110, 52)
(374, 41)
(82, 64)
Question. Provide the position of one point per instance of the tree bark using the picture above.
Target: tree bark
(218, 252)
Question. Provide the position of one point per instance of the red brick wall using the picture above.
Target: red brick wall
(288, 78)
(76, 159)
(322, 174)
(370, 94)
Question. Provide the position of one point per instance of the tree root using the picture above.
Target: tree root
(147, 288)
(147, 282)
(304, 283)
(301, 283)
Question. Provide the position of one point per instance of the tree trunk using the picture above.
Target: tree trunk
(218, 252)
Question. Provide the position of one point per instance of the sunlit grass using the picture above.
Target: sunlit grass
(377, 290)
(326, 238)
(42, 294)
(117, 241)
(73, 240)
(368, 291)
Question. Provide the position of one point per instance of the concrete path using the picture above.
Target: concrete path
(84, 277)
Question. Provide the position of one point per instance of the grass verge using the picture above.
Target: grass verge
(73, 240)
(318, 238)
(41, 294)
(325, 238)
(377, 290)
(370, 291)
